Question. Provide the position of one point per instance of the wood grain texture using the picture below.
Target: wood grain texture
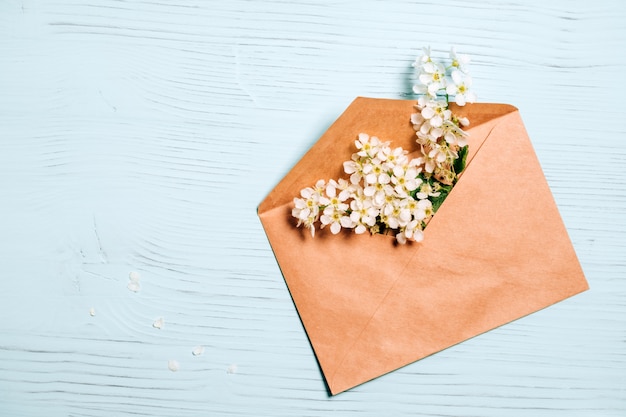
(141, 136)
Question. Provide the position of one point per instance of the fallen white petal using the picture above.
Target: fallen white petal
(134, 276)
(173, 365)
(158, 323)
(92, 311)
(197, 351)
(133, 286)
(231, 369)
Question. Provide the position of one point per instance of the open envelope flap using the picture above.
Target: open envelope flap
(368, 306)
(387, 119)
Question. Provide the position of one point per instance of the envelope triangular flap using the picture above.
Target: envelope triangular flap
(387, 119)
(370, 306)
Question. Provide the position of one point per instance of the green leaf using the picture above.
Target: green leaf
(459, 163)
(443, 193)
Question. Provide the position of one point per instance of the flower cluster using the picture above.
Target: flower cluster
(439, 132)
(452, 80)
(387, 191)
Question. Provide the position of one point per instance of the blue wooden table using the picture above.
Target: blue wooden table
(138, 137)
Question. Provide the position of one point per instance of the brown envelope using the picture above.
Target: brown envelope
(495, 251)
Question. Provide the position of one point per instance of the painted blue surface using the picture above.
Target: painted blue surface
(141, 136)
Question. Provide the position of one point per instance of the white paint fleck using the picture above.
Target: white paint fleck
(173, 365)
(92, 311)
(197, 351)
(134, 276)
(231, 369)
(158, 323)
(133, 286)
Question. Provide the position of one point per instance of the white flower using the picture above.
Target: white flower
(430, 74)
(434, 109)
(397, 214)
(412, 231)
(454, 135)
(198, 350)
(379, 189)
(337, 201)
(429, 161)
(433, 76)
(405, 179)
(419, 209)
(429, 122)
(393, 157)
(307, 208)
(336, 218)
(432, 116)
(375, 172)
(424, 58)
(441, 153)
(307, 212)
(355, 168)
(335, 212)
(459, 61)
(426, 190)
(346, 189)
(460, 89)
(363, 214)
(463, 121)
(423, 210)
(368, 146)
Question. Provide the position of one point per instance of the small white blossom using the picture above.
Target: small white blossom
(431, 120)
(432, 75)
(345, 188)
(423, 211)
(379, 190)
(441, 153)
(424, 58)
(336, 218)
(412, 231)
(463, 121)
(454, 135)
(368, 146)
(397, 214)
(393, 157)
(426, 190)
(460, 89)
(459, 61)
(363, 214)
(405, 179)
(158, 323)
(307, 208)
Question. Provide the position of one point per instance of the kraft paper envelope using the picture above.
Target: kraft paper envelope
(495, 251)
